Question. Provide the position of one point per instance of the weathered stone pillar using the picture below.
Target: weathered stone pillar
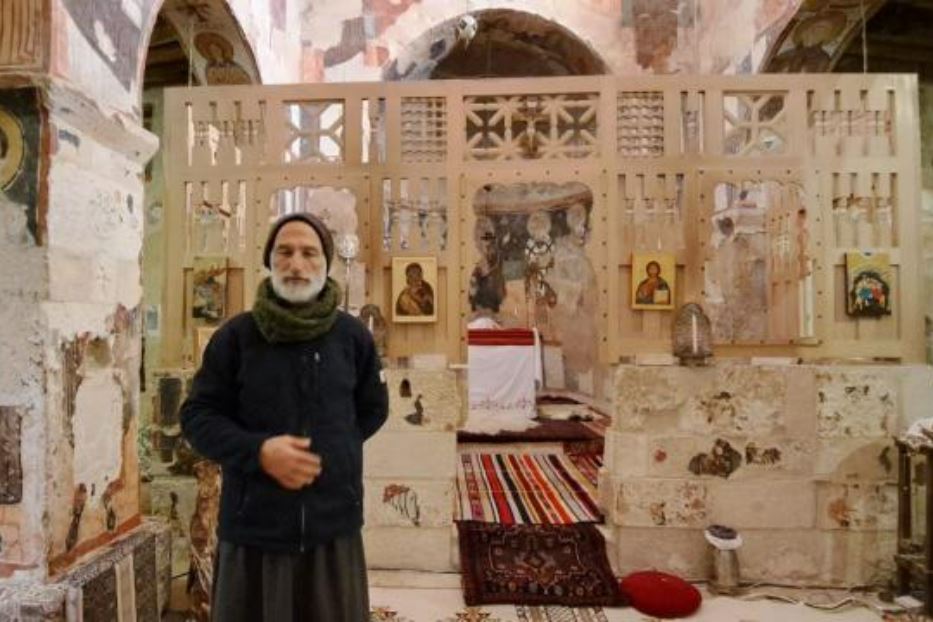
(70, 350)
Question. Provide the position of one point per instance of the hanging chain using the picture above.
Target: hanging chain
(190, 50)
(864, 39)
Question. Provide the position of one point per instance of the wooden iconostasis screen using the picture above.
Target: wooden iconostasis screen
(787, 206)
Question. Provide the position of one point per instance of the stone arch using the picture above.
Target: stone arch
(817, 36)
(211, 38)
(537, 46)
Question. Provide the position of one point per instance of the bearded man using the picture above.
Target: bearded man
(284, 399)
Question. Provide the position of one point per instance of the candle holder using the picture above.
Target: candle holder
(693, 335)
(348, 246)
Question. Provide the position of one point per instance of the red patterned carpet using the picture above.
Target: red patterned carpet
(535, 565)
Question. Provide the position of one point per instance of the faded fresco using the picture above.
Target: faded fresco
(220, 68)
(95, 460)
(113, 34)
(20, 133)
(533, 269)
(412, 39)
(11, 466)
(736, 269)
(220, 56)
(818, 35)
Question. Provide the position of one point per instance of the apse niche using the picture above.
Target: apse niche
(533, 271)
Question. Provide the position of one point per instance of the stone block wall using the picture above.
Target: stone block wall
(799, 459)
(69, 406)
(410, 474)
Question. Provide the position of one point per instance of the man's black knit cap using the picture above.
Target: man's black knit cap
(327, 241)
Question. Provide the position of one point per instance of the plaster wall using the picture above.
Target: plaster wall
(100, 47)
(632, 36)
(273, 31)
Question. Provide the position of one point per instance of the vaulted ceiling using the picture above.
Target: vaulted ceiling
(166, 62)
(899, 38)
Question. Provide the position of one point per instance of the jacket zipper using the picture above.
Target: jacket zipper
(307, 431)
(301, 547)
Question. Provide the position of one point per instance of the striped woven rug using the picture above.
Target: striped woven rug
(589, 465)
(524, 489)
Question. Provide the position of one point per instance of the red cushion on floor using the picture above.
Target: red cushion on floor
(660, 595)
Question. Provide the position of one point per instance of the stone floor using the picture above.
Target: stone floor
(406, 596)
(422, 597)
(401, 596)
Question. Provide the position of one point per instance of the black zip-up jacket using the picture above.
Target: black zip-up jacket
(247, 390)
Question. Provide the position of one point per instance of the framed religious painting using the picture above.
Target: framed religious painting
(209, 290)
(414, 287)
(653, 276)
(202, 335)
(868, 284)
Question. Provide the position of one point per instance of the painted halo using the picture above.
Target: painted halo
(11, 148)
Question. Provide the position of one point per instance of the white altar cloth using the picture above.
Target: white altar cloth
(503, 368)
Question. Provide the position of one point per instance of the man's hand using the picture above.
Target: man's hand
(289, 461)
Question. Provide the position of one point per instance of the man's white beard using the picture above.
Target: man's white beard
(297, 293)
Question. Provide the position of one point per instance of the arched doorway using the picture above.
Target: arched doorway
(506, 43)
(527, 255)
(190, 44)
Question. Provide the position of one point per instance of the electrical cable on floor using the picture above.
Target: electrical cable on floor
(840, 606)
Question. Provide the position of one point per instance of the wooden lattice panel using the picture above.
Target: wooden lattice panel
(640, 118)
(414, 215)
(652, 212)
(691, 122)
(424, 129)
(839, 154)
(314, 131)
(531, 127)
(225, 133)
(864, 210)
(856, 122)
(754, 123)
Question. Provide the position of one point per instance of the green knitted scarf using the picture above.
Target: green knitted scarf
(283, 322)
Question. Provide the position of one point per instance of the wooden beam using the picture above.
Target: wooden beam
(166, 53)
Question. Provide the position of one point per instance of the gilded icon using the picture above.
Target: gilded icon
(653, 281)
(868, 284)
(414, 281)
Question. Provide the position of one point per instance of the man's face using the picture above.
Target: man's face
(653, 270)
(299, 267)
